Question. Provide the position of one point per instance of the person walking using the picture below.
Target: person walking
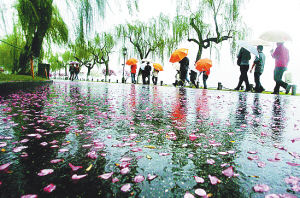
(243, 61)
(154, 76)
(281, 56)
(72, 71)
(259, 64)
(146, 74)
(184, 67)
(133, 72)
(205, 77)
(77, 70)
(193, 77)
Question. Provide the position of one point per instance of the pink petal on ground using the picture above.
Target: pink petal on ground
(3, 144)
(230, 152)
(213, 180)
(192, 137)
(164, 154)
(261, 164)
(49, 188)
(296, 188)
(200, 192)
(24, 154)
(295, 139)
(44, 143)
(151, 177)
(63, 150)
(124, 165)
(29, 196)
(126, 188)
(74, 168)
(286, 195)
(126, 159)
(292, 180)
(188, 195)
(222, 153)
(277, 156)
(92, 155)
(139, 178)
(136, 149)
(4, 166)
(228, 172)
(199, 179)
(210, 161)
(295, 155)
(18, 149)
(124, 171)
(293, 164)
(76, 177)
(45, 172)
(190, 155)
(114, 180)
(252, 152)
(225, 164)
(272, 196)
(106, 175)
(261, 188)
(109, 136)
(54, 161)
(255, 157)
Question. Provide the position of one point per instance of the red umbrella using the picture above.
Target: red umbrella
(178, 55)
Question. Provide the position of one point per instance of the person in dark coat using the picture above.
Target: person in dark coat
(77, 70)
(184, 67)
(193, 77)
(259, 64)
(72, 71)
(244, 57)
(146, 74)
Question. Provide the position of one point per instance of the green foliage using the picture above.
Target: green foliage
(15, 78)
(10, 49)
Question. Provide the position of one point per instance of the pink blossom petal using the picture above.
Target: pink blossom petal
(200, 192)
(3, 144)
(261, 164)
(192, 137)
(126, 187)
(126, 159)
(49, 188)
(45, 172)
(114, 180)
(210, 161)
(43, 143)
(92, 155)
(139, 178)
(213, 180)
(252, 152)
(255, 157)
(124, 165)
(74, 168)
(261, 188)
(295, 139)
(272, 196)
(286, 195)
(54, 161)
(292, 180)
(188, 195)
(4, 166)
(293, 164)
(164, 154)
(125, 171)
(151, 177)
(29, 196)
(296, 188)
(199, 179)
(76, 177)
(63, 150)
(106, 175)
(228, 172)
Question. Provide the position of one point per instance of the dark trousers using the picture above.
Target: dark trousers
(205, 77)
(258, 86)
(133, 78)
(183, 74)
(154, 80)
(146, 76)
(244, 77)
(278, 73)
(193, 77)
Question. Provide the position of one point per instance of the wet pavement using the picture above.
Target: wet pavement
(83, 139)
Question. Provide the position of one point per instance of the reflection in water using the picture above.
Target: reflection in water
(202, 107)
(241, 111)
(179, 108)
(278, 117)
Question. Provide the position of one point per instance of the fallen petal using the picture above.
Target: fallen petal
(139, 178)
(213, 180)
(261, 188)
(126, 188)
(76, 177)
(74, 168)
(293, 164)
(228, 172)
(200, 192)
(45, 172)
(49, 188)
(151, 177)
(106, 175)
(4, 166)
(199, 179)
(188, 195)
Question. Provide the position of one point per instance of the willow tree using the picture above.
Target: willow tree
(151, 38)
(214, 21)
(37, 18)
(102, 49)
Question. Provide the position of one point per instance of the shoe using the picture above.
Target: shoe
(275, 92)
(288, 88)
(237, 89)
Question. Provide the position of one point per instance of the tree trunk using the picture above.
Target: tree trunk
(199, 53)
(106, 70)
(24, 59)
(89, 71)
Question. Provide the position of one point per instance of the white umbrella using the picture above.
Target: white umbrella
(248, 47)
(257, 42)
(275, 36)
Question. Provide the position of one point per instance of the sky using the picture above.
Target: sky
(258, 15)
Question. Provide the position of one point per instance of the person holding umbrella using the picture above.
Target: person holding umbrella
(204, 65)
(184, 67)
(133, 72)
(146, 74)
(281, 56)
(259, 64)
(243, 61)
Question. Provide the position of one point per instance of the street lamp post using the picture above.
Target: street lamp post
(124, 54)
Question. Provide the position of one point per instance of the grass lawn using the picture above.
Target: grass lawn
(18, 78)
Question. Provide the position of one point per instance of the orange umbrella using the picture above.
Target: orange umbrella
(158, 67)
(178, 55)
(203, 64)
(131, 61)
